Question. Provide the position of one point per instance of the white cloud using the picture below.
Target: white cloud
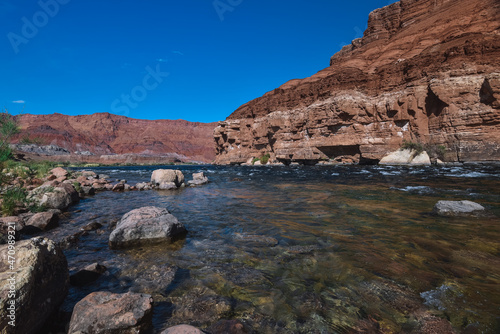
(161, 60)
(19, 102)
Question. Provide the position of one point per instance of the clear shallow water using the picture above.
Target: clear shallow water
(306, 249)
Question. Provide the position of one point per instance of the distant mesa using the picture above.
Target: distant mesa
(106, 138)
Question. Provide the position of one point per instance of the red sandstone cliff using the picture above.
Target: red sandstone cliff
(427, 71)
(106, 135)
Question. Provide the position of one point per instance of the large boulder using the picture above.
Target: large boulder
(457, 208)
(198, 179)
(59, 197)
(406, 157)
(39, 276)
(145, 226)
(110, 313)
(160, 176)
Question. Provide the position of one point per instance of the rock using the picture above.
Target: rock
(198, 179)
(200, 307)
(167, 186)
(182, 329)
(88, 190)
(41, 283)
(145, 226)
(126, 187)
(92, 226)
(41, 221)
(457, 208)
(143, 186)
(109, 313)
(7, 224)
(87, 275)
(119, 187)
(228, 327)
(59, 197)
(160, 176)
(440, 88)
(59, 172)
(406, 157)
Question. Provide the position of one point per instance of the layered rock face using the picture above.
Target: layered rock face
(425, 71)
(110, 138)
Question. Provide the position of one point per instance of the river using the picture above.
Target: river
(325, 249)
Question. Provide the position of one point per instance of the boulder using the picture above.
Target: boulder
(457, 208)
(59, 172)
(41, 283)
(198, 179)
(59, 197)
(182, 329)
(41, 221)
(87, 275)
(88, 190)
(110, 313)
(406, 157)
(145, 226)
(167, 175)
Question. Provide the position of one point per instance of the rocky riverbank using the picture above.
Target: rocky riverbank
(37, 278)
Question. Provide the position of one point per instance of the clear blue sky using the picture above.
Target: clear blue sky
(85, 56)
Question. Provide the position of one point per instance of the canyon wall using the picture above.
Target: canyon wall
(107, 138)
(426, 71)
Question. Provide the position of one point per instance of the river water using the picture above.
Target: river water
(326, 249)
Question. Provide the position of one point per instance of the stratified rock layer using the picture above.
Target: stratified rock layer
(107, 138)
(425, 71)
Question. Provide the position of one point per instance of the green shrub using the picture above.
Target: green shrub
(255, 160)
(12, 199)
(409, 145)
(265, 158)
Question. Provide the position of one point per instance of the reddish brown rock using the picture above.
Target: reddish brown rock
(59, 172)
(106, 312)
(111, 138)
(425, 71)
(41, 221)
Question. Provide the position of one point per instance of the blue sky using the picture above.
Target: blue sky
(159, 59)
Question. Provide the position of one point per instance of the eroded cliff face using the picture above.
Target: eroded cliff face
(111, 138)
(425, 71)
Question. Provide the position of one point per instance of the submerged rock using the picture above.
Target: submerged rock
(109, 313)
(457, 208)
(200, 307)
(145, 226)
(87, 275)
(40, 283)
(198, 179)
